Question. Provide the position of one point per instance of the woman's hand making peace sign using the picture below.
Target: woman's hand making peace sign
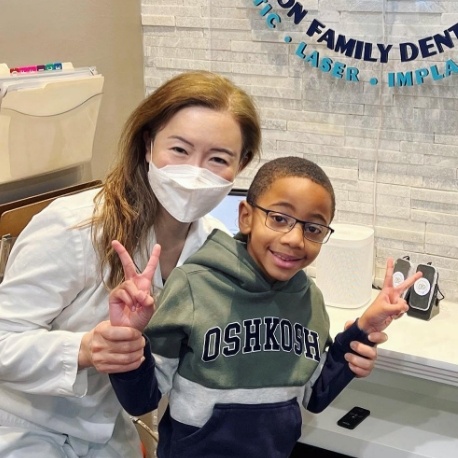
(131, 303)
(117, 345)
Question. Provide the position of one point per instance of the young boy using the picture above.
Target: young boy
(241, 334)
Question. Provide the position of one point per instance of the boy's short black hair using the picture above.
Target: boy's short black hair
(290, 166)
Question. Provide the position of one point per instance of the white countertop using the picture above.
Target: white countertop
(425, 349)
(412, 394)
(403, 423)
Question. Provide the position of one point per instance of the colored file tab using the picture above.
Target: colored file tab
(37, 68)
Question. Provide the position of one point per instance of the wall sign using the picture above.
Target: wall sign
(380, 53)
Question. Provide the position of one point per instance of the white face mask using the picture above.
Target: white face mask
(187, 192)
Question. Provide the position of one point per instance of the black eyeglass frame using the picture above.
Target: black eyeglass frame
(301, 222)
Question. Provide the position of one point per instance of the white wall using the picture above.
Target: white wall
(392, 153)
(106, 34)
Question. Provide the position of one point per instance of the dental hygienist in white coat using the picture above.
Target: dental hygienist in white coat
(178, 156)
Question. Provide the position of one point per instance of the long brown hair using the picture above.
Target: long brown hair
(126, 208)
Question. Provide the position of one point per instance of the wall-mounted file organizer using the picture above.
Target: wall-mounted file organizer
(47, 120)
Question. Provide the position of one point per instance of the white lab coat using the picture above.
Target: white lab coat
(51, 295)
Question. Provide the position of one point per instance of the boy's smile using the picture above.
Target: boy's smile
(281, 255)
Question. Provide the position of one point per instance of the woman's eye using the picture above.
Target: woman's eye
(220, 160)
(178, 149)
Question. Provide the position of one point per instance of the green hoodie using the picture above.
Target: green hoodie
(223, 333)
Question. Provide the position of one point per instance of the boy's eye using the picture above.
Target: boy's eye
(279, 219)
(312, 229)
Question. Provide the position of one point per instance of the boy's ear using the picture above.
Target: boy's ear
(245, 217)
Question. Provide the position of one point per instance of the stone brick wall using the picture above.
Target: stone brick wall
(391, 152)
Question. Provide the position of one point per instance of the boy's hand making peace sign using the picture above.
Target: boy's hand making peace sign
(389, 304)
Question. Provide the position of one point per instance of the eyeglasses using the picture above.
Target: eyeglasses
(279, 222)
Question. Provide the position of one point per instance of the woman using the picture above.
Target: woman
(179, 153)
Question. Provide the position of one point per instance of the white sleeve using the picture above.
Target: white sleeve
(45, 273)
